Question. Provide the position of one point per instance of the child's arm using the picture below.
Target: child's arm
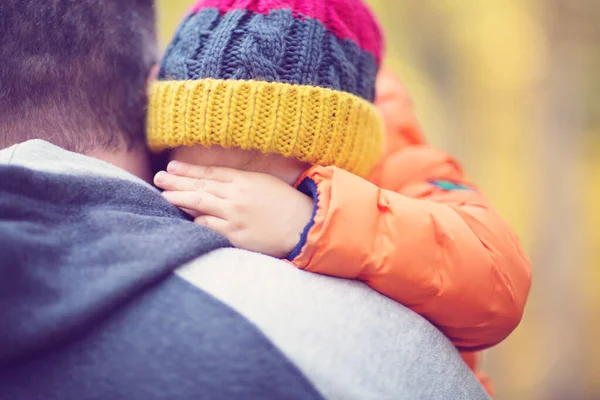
(446, 254)
(423, 236)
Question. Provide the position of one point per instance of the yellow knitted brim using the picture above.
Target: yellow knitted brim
(315, 125)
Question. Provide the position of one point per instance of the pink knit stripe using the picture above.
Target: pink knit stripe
(347, 19)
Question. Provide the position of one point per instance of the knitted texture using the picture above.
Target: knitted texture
(294, 77)
(275, 48)
(316, 125)
(347, 19)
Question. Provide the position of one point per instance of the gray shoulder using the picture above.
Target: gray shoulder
(349, 340)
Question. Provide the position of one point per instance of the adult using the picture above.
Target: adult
(108, 292)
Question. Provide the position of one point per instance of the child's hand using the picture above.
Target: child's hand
(256, 212)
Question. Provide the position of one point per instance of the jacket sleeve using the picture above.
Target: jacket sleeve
(421, 234)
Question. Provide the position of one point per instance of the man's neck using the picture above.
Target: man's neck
(135, 161)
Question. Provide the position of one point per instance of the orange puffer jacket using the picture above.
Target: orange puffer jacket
(421, 234)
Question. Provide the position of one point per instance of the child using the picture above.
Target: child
(278, 97)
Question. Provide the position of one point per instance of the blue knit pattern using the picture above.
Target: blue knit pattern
(276, 47)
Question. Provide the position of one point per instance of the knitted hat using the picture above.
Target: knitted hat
(294, 77)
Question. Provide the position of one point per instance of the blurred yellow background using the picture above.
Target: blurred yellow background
(512, 88)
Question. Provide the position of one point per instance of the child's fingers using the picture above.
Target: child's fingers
(218, 225)
(192, 213)
(167, 181)
(201, 172)
(204, 203)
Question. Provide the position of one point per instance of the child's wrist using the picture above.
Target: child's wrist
(308, 188)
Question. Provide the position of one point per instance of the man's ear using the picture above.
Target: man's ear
(152, 75)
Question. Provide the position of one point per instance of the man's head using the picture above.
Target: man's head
(73, 72)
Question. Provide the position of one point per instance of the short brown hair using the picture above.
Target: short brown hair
(73, 72)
